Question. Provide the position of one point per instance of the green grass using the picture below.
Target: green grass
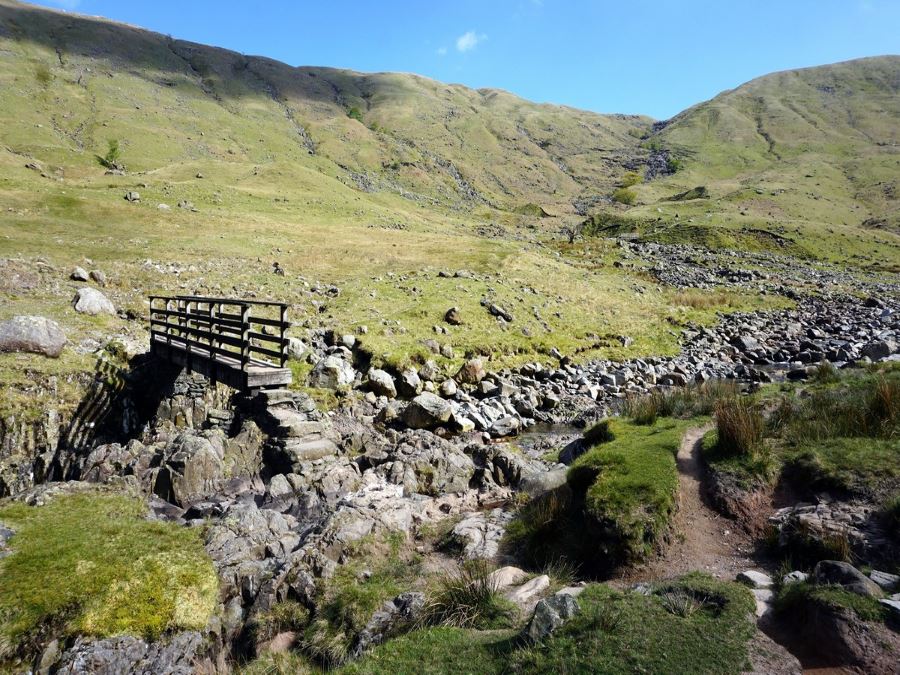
(615, 632)
(376, 570)
(837, 434)
(616, 506)
(91, 564)
(802, 600)
(636, 482)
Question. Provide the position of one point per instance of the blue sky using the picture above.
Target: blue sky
(655, 57)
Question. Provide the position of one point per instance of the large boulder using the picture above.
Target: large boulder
(427, 411)
(34, 334)
(91, 301)
(332, 372)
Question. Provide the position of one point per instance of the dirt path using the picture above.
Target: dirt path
(703, 539)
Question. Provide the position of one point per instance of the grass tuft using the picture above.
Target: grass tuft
(470, 598)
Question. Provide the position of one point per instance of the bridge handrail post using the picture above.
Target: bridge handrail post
(245, 336)
(282, 346)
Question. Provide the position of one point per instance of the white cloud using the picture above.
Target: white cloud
(469, 40)
(441, 51)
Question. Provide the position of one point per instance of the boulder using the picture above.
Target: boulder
(537, 484)
(332, 372)
(99, 277)
(755, 579)
(845, 575)
(427, 411)
(745, 343)
(91, 301)
(191, 469)
(506, 426)
(507, 576)
(471, 372)
(885, 580)
(448, 388)
(409, 384)
(528, 593)
(34, 334)
(132, 196)
(879, 350)
(182, 653)
(381, 383)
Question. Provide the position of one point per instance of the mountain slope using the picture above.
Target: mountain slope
(439, 143)
(801, 151)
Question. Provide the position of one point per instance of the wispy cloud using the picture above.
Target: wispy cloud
(469, 40)
(441, 51)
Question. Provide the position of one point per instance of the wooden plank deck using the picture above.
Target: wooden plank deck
(223, 368)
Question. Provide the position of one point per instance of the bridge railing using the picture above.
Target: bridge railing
(247, 331)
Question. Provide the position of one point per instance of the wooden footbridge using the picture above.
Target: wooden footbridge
(240, 343)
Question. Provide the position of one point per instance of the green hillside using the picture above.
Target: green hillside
(809, 157)
(376, 182)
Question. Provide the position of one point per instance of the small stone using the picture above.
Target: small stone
(452, 316)
(79, 274)
(132, 196)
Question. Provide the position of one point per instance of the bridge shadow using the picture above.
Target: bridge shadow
(118, 404)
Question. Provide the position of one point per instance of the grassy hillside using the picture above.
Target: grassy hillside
(807, 157)
(376, 182)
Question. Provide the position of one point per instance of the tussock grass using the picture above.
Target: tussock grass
(739, 426)
(469, 598)
(694, 400)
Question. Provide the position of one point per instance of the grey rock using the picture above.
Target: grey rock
(427, 411)
(885, 580)
(846, 575)
(182, 654)
(550, 614)
(332, 372)
(506, 426)
(537, 484)
(381, 383)
(79, 274)
(99, 277)
(34, 334)
(409, 384)
(91, 301)
(394, 617)
(755, 579)
(132, 196)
